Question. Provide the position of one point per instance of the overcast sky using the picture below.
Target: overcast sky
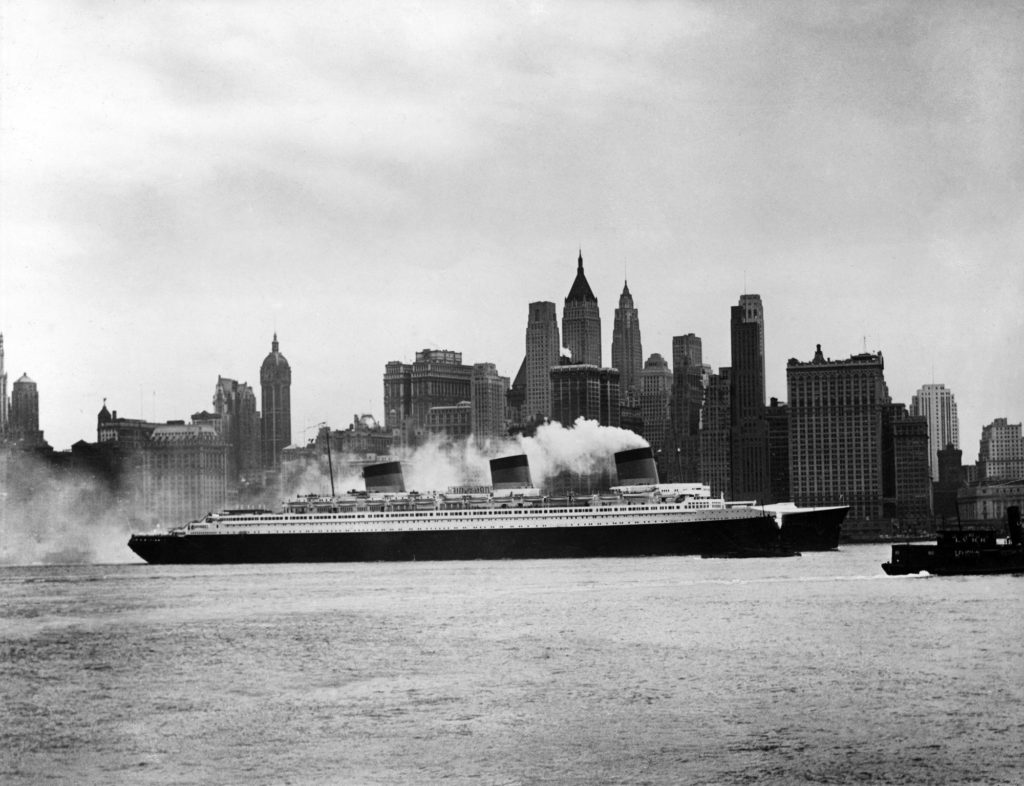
(179, 180)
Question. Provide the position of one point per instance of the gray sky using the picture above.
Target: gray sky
(179, 180)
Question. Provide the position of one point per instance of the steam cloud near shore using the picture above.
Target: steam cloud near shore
(52, 517)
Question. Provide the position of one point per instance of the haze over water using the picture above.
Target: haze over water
(816, 669)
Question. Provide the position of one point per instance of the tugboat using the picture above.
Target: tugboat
(963, 552)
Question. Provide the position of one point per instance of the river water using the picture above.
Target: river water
(817, 669)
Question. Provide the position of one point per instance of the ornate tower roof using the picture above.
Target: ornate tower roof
(580, 288)
(275, 364)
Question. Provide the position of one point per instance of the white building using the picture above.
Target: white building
(937, 405)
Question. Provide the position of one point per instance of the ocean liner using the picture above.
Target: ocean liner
(512, 520)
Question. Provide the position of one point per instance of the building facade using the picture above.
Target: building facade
(749, 438)
(777, 415)
(656, 412)
(909, 494)
(627, 349)
(581, 390)
(184, 473)
(235, 403)
(838, 424)
(23, 417)
(581, 321)
(490, 403)
(688, 377)
(716, 433)
(1000, 452)
(275, 385)
(543, 348)
(436, 378)
(936, 404)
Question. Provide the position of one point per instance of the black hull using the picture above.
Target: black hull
(813, 530)
(758, 535)
(908, 559)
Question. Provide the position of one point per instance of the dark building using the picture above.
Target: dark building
(951, 478)
(627, 351)
(908, 482)
(777, 416)
(581, 390)
(275, 383)
(23, 425)
(235, 403)
(749, 442)
(687, 401)
(838, 424)
(715, 433)
(581, 321)
(437, 378)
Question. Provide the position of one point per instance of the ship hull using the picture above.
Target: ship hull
(908, 559)
(813, 529)
(737, 536)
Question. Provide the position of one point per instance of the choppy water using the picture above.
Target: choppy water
(818, 669)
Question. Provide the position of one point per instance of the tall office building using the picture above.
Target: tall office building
(909, 488)
(749, 443)
(627, 351)
(1001, 451)
(3, 390)
(715, 433)
(543, 348)
(777, 415)
(936, 404)
(687, 399)
(23, 423)
(489, 401)
(582, 390)
(235, 403)
(656, 412)
(275, 384)
(436, 378)
(581, 321)
(838, 428)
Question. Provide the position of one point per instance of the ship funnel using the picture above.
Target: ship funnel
(1013, 522)
(510, 472)
(384, 478)
(636, 467)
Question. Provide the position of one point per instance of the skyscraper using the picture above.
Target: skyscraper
(489, 400)
(656, 412)
(627, 352)
(715, 433)
(542, 352)
(23, 424)
(581, 321)
(581, 390)
(749, 443)
(687, 400)
(275, 384)
(936, 404)
(235, 403)
(838, 424)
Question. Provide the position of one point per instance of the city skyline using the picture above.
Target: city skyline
(370, 184)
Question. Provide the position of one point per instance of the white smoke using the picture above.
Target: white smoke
(56, 517)
(585, 448)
